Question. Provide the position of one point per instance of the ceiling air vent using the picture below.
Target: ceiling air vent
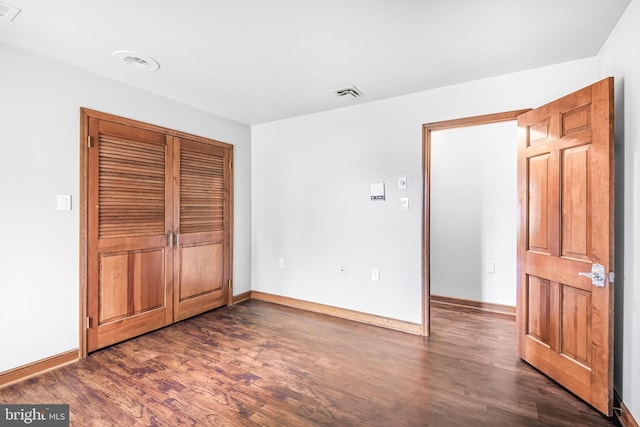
(351, 90)
(8, 12)
(136, 60)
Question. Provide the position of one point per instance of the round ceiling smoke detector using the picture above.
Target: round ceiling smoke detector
(136, 60)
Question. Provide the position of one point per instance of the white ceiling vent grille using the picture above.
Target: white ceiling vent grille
(8, 12)
(136, 60)
(351, 90)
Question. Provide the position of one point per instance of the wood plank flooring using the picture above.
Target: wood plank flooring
(260, 364)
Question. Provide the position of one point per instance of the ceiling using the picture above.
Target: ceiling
(257, 61)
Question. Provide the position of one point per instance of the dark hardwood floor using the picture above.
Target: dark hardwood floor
(260, 364)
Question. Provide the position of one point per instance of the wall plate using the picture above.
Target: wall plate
(63, 202)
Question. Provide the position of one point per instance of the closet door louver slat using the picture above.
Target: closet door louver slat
(201, 192)
(132, 188)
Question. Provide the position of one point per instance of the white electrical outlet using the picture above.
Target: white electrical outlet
(281, 262)
(491, 267)
(63, 202)
(375, 274)
(343, 271)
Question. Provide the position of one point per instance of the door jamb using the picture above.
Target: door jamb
(427, 128)
(84, 242)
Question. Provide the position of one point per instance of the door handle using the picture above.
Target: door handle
(597, 275)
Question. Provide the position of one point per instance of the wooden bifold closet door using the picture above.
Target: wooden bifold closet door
(201, 263)
(158, 227)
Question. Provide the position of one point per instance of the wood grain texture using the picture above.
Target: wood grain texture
(626, 419)
(538, 193)
(201, 270)
(202, 187)
(565, 187)
(539, 320)
(241, 297)
(262, 364)
(38, 367)
(132, 283)
(576, 218)
(501, 310)
(129, 291)
(475, 120)
(131, 191)
(623, 415)
(156, 227)
(202, 267)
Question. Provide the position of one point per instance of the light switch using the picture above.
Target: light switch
(404, 203)
(64, 202)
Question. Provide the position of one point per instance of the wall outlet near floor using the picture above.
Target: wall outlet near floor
(280, 262)
(63, 202)
(343, 270)
(375, 274)
(491, 267)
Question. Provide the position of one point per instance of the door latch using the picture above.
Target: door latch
(597, 275)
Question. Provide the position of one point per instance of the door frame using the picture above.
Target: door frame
(427, 128)
(85, 115)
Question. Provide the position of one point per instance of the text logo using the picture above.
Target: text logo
(34, 415)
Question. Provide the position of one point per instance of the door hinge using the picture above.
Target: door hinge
(612, 277)
(229, 283)
(230, 166)
(88, 141)
(88, 322)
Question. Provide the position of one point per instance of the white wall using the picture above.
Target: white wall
(311, 177)
(39, 157)
(620, 58)
(473, 212)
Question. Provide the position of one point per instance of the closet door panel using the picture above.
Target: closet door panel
(156, 236)
(128, 275)
(130, 283)
(202, 212)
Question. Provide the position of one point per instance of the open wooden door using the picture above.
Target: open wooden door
(565, 242)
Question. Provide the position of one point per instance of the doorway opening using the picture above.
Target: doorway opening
(458, 252)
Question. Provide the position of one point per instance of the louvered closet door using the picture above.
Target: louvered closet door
(129, 273)
(202, 214)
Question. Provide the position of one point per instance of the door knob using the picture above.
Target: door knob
(597, 275)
